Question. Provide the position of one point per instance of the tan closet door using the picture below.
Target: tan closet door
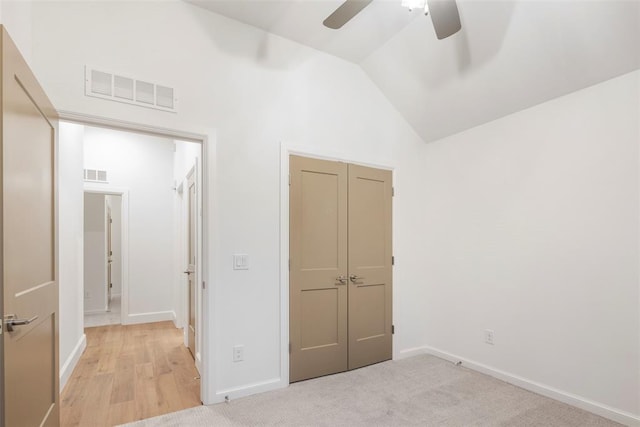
(30, 289)
(369, 266)
(318, 251)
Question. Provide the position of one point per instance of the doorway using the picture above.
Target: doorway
(340, 267)
(102, 259)
(149, 223)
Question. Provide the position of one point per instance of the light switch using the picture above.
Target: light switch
(240, 262)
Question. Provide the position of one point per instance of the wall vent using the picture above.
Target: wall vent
(115, 87)
(95, 175)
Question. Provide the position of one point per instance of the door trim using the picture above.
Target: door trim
(287, 150)
(206, 137)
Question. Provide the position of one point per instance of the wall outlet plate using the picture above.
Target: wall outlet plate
(488, 336)
(238, 353)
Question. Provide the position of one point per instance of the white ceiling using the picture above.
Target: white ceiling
(301, 21)
(510, 54)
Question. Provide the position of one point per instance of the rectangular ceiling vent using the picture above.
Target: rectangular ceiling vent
(115, 87)
(95, 175)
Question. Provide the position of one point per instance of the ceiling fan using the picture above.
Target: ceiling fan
(444, 14)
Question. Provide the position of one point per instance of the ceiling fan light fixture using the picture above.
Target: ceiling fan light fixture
(415, 4)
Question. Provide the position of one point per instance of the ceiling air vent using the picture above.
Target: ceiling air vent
(95, 175)
(115, 87)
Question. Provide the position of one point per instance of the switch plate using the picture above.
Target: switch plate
(488, 336)
(240, 261)
(238, 353)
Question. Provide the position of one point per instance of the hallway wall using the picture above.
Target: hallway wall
(142, 165)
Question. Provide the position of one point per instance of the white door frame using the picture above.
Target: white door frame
(123, 192)
(287, 150)
(207, 138)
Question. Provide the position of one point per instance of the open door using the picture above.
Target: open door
(191, 262)
(109, 225)
(28, 259)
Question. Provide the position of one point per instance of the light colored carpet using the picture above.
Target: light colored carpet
(422, 390)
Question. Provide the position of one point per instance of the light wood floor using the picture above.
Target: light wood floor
(128, 373)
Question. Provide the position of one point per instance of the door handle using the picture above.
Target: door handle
(353, 278)
(341, 279)
(11, 320)
(188, 272)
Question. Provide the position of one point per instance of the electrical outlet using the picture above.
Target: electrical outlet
(488, 336)
(238, 353)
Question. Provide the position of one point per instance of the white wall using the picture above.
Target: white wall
(15, 15)
(529, 227)
(95, 256)
(257, 89)
(70, 244)
(143, 165)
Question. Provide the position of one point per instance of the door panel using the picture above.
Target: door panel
(370, 267)
(191, 268)
(109, 255)
(318, 300)
(29, 275)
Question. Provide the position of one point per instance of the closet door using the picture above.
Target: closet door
(370, 268)
(318, 271)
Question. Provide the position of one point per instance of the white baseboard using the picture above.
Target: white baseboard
(69, 365)
(542, 389)
(174, 318)
(410, 352)
(248, 390)
(157, 316)
(98, 311)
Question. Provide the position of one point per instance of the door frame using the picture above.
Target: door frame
(123, 192)
(207, 138)
(286, 150)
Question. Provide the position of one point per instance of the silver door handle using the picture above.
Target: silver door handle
(341, 279)
(353, 278)
(12, 321)
(188, 272)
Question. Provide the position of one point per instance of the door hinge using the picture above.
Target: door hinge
(393, 260)
(204, 285)
(289, 264)
(111, 285)
(393, 191)
(289, 179)
(110, 221)
(393, 329)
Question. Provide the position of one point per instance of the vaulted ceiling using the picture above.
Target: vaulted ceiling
(509, 55)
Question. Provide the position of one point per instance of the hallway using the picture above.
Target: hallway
(129, 373)
(111, 317)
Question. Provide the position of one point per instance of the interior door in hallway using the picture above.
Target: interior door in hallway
(370, 269)
(109, 256)
(191, 263)
(28, 258)
(318, 270)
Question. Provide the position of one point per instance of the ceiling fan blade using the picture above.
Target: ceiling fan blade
(344, 13)
(445, 17)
